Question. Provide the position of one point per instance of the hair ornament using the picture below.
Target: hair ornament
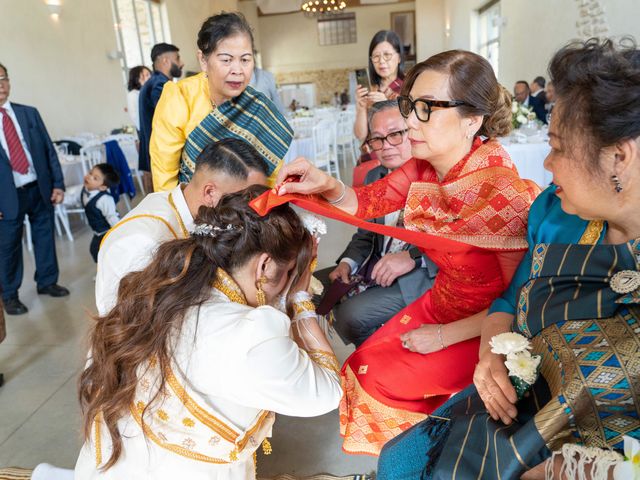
(208, 230)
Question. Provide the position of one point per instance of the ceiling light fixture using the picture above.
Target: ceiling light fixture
(323, 7)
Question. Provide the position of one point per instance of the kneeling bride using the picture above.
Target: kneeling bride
(187, 369)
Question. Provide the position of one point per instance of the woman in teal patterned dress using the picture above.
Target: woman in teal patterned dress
(575, 296)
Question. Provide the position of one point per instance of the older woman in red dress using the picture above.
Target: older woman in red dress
(466, 194)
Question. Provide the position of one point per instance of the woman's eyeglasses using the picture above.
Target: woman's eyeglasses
(424, 107)
(393, 139)
(385, 56)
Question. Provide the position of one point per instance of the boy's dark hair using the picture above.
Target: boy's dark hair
(110, 174)
(232, 156)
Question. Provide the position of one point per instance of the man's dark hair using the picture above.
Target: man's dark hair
(110, 174)
(6, 72)
(161, 48)
(232, 156)
(540, 81)
(379, 107)
(525, 83)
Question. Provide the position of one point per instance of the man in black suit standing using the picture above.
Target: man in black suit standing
(166, 65)
(31, 184)
(522, 94)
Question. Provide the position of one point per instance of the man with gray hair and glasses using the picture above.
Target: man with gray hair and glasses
(385, 274)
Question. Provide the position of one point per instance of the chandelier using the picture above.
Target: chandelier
(323, 7)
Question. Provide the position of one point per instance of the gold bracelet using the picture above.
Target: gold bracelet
(440, 337)
(303, 306)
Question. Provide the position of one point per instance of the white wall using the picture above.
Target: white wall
(185, 20)
(249, 9)
(289, 43)
(533, 30)
(429, 27)
(62, 67)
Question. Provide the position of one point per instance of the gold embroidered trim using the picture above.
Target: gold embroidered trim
(261, 419)
(215, 424)
(366, 424)
(227, 285)
(200, 413)
(183, 452)
(98, 440)
(303, 307)
(326, 360)
(592, 233)
(142, 215)
(185, 232)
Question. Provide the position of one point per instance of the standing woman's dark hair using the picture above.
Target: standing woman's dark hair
(394, 39)
(134, 77)
(218, 27)
(473, 81)
(152, 303)
(184, 122)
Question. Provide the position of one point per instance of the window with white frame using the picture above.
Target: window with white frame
(337, 29)
(488, 41)
(139, 25)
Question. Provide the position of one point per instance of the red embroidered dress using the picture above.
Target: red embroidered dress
(482, 203)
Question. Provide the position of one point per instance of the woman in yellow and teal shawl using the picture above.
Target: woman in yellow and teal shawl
(215, 104)
(575, 297)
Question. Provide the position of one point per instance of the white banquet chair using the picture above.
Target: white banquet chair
(344, 136)
(324, 147)
(302, 126)
(91, 154)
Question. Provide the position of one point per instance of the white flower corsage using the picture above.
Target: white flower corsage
(630, 468)
(521, 365)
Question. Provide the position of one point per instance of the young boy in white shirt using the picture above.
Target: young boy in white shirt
(99, 206)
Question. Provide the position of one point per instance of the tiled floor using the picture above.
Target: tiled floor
(44, 352)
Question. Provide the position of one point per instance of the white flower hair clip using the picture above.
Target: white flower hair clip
(313, 224)
(208, 230)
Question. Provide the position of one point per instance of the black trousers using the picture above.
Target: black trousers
(31, 203)
(94, 247)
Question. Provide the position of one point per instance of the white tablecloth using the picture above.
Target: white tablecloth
(529, 160)
(300, 147)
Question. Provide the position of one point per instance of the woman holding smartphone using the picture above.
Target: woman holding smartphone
(386, 76)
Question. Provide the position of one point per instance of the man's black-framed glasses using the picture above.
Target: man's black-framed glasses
(423, 107)
(393, 139)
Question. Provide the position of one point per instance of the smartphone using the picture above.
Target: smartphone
(362, 78)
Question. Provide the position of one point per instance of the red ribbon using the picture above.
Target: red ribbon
(313, 203)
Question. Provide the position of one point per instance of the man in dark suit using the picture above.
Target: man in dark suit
(522, 94)
(537, 89)
(166, 65)
(401, 273)
(31, 184)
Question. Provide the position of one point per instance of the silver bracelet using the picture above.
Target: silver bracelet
(341, 197)
(440, 337)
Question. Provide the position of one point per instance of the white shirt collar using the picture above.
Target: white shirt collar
(90, 193)
(7, 106)
(182, 207)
